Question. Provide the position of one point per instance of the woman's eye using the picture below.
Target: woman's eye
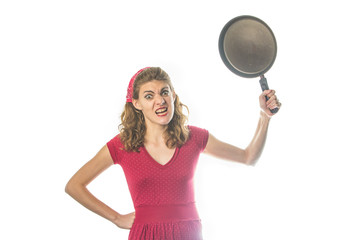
(165, 93)
(149, 96)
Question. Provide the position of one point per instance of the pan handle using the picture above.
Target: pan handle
(264, 86)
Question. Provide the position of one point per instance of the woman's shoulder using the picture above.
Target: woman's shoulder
(195, 129)
(116, 142)
(199, 136)
(116, 139)
(116, 148)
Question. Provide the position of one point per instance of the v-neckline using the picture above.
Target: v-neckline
(159, 164)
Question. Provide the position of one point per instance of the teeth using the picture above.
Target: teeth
(161, 110)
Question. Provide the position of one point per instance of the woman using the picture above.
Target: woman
(158, 154)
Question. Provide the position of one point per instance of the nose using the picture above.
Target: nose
(160, 100)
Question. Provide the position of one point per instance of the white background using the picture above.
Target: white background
(64, 69)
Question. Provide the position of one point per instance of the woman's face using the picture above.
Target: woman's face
(156, 101)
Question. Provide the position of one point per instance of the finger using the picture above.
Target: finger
(271, 105)
(266, 92)
(274, 104)
(264, 96)
(270, 93)
(272, 101)
(272, 98)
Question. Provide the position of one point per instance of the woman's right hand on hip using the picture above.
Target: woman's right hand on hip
(125, 221)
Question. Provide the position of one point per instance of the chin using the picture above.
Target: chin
(163, 120)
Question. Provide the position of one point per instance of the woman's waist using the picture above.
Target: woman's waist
(166, 213)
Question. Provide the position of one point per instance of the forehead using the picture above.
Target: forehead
(154, 85)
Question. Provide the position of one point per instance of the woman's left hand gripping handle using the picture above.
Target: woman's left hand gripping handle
(269, 102)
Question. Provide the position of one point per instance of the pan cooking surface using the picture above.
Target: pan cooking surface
(248, 45)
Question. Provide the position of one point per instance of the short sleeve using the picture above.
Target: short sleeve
(114, 146)
(200, 136)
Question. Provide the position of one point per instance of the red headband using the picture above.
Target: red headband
(131, 85)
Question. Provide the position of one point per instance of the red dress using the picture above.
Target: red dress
(163, 195)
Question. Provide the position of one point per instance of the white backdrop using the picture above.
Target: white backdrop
(64, 69)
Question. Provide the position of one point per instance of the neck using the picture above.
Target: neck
(155, 133)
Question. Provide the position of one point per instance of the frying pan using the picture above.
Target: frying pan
(248, 48)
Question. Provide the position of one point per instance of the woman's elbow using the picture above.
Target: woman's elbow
(71, 187)
(250, 159)
(68, 187)
(252, 162)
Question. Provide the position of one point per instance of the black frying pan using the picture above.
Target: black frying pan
(248, 48)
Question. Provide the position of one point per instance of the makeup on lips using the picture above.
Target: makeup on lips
(161, 112)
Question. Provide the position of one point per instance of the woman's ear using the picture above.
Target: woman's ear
(175, 96)
(136, 104)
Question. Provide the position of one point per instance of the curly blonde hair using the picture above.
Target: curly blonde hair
(133, 128)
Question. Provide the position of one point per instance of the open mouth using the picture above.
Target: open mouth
(161, 111)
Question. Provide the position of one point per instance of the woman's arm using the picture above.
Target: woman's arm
(253, 151)
(76, 188)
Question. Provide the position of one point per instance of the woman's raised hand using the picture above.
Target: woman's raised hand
(272, 103)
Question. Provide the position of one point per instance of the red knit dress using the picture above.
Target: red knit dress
(163, 195)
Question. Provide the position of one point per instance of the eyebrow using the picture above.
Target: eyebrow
(149, 91)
